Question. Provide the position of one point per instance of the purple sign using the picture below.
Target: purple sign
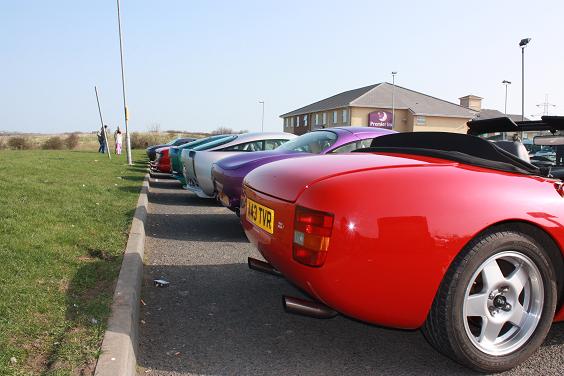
(380, 119)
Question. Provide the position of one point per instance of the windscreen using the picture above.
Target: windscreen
(221, 141)
(313, 142)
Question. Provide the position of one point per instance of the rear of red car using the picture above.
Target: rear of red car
(371, 236)
(162, 161)
(310, 230)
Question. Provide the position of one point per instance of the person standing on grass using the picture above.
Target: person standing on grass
(100, 135)
(118, 140)
(104, 142)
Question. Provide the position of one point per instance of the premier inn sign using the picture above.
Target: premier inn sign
(380, 119)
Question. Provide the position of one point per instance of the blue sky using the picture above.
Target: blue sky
(198, 65)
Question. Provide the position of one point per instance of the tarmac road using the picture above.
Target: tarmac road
(217, 317)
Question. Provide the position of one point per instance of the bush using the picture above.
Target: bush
(3, 144)
(72, 140)
(19, 143)
(53, 143)
(144, 140)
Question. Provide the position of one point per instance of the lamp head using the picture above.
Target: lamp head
(394, 72)
(524, 42)
(506, 82)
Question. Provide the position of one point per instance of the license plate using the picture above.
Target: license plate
(260, 216)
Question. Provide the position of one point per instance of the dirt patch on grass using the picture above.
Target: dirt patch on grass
(63, 285)
(36, 358)
(85, 369)
(103, 288)
(101, 254)
(36, 363)
(85, 258)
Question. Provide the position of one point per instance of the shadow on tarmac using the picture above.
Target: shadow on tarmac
(197, 227)
(182, 198)
(227, 319)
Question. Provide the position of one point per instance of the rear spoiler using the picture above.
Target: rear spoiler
(505, 124)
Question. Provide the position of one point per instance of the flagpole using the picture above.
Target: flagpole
(102, 123)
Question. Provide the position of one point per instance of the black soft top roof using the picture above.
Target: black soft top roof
(505, 124)
(456, 147)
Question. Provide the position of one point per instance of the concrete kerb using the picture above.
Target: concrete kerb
(119, 347)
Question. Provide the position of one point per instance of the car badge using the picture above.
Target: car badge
(281, 225)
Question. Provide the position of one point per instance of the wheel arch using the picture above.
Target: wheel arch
(540, 235)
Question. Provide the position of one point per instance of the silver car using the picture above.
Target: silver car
(197, 164)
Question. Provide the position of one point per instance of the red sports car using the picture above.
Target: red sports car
(443, 232)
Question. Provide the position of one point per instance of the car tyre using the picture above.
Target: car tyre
(475, 301)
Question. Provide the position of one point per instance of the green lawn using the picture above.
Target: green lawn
(64, 218)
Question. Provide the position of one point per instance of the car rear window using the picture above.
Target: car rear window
(180, 141)
(202, 141)
(313, 142)
(246, 146)
(213, 144)
(173, 142)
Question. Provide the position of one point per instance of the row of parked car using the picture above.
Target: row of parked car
(452, 234)
(214, 167)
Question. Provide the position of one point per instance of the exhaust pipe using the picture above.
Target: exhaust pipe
(307, 308)
(262, 266)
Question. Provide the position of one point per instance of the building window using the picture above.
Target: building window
(286, 122)
(334, 117)
(324, 118)
(420, 120)
(316, 119)
(305, 121)
(292, 122)
(345, 116)
(297, 121)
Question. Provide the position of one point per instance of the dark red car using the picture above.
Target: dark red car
(162, 160)
(443, 232)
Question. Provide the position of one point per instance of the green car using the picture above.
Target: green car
(176, 151)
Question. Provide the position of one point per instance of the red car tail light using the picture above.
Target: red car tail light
(312, 232)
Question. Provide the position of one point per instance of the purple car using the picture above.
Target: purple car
(228, 173)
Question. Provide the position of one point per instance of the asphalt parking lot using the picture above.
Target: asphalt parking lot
(217, 317)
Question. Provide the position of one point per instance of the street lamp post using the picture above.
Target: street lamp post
(262, 118)
(394, 100)
(125, 114)
(506, 83)
(523, 43)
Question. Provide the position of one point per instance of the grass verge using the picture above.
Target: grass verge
(64, 220)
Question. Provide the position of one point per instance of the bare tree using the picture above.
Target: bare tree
(154, 127)
(222, 130)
